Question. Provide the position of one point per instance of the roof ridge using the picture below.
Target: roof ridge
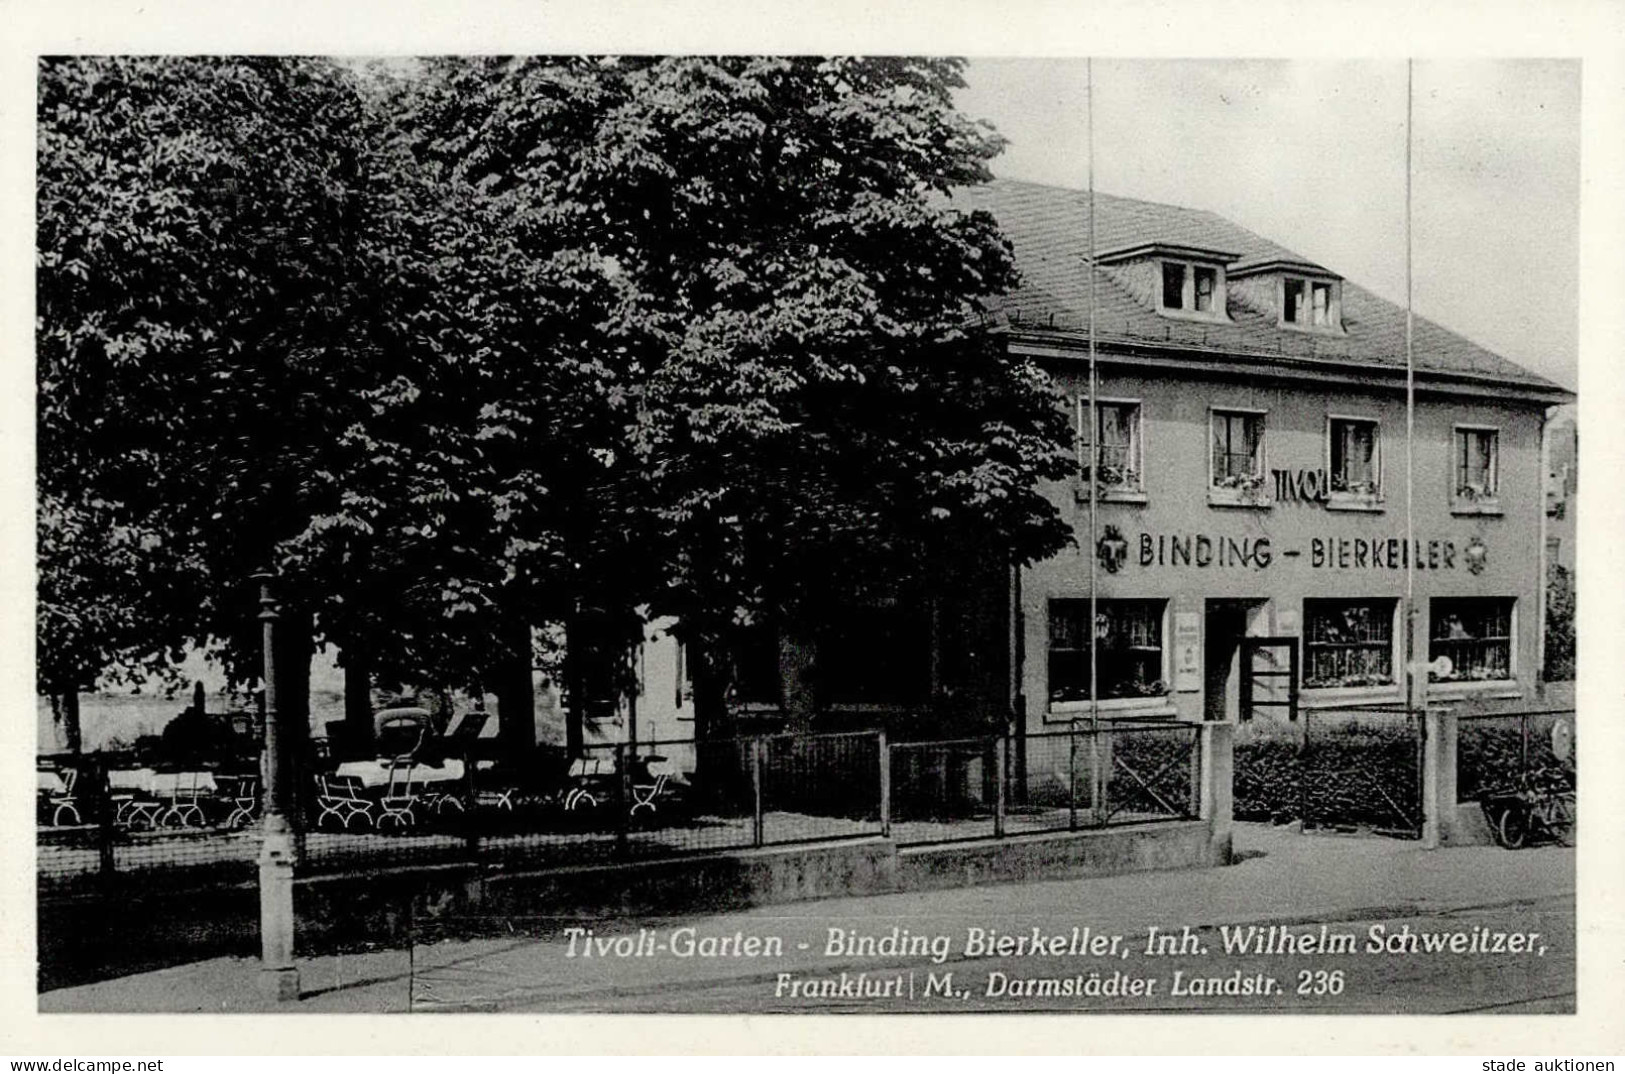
(1082, 191)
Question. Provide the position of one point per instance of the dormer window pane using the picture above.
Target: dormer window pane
(1292, 301)
(1205, 280)
(1322, 303)
(1173, 285)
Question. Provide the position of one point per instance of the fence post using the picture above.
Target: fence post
(1000, 743)
(1438, 778)
(885, 786)
(1100, 771)
(1303, 773)
(474, 888)
(756, 790)
(104, 818)
(1072, 776)
(1218, 785)
(1523, 746)
(623, 796)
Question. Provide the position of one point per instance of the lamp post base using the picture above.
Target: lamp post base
(279, 977)
(279, 984)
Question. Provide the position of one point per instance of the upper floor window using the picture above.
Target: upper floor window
(1191, 287)
(1354, 463)
(1477, 469)
(1176, 279)
(1116, 429)
(1310, 303)
(1236, 465)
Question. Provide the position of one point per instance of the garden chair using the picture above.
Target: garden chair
(649, 778)
(589, 781)
(399, 798)
(240, 795)
(67, 799)
(343, 799)
(135, 807)
(435, 798)
(185, 808)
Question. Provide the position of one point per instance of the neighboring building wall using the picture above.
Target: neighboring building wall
(1269, 553)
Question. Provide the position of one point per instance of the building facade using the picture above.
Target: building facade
(1269, 525)
(1259, 478)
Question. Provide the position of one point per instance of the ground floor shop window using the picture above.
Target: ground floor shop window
(1128, 639)
(1476, 634)
(1348, 643)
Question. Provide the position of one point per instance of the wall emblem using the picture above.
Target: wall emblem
(1112, 549)
(1476, 555)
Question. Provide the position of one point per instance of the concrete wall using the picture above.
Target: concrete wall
(1280, 538)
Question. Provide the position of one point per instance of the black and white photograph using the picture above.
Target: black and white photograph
(774, 532)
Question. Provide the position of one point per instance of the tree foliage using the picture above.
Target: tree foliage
(488, 341)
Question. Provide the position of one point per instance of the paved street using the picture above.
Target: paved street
(1494, 899)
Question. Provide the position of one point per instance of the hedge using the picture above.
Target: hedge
(1349, 776)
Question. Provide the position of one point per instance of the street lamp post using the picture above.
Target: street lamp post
(279, 977)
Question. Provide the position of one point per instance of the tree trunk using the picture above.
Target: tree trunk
(576, 688)
(71, 735)
(358, 725)
(710, 712)
(516, 694)
(798, 659)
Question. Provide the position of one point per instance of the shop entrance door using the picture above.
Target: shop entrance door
(1269, 676)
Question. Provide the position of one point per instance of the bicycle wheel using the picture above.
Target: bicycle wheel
(1560, 821)
(1512, 828)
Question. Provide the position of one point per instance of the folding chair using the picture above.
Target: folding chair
(399, 797)
(342, 799)
(588, 776)
(241, 794)
(136, 806)
(66, 798)
(649, 776)
(185, 809)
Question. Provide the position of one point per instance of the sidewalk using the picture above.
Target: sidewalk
(1281, 878)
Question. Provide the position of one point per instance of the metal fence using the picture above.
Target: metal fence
(617, 802)
(1499, 752)
(101, 822)
(1121, 773)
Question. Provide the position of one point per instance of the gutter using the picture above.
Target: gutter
(1142, 352)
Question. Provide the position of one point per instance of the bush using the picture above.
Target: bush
(1346, 776)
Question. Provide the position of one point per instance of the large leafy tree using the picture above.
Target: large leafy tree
(791, 406)
(206, 339)
(480, 344)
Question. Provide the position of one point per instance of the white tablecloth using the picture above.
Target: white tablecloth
(376, 773)
(160, 784)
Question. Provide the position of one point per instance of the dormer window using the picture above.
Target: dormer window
(1307, 303)
(1191, 287)
(1206, 280)
(1305, 296)
(1181, 281)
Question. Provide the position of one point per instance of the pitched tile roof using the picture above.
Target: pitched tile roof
(1048, 227)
